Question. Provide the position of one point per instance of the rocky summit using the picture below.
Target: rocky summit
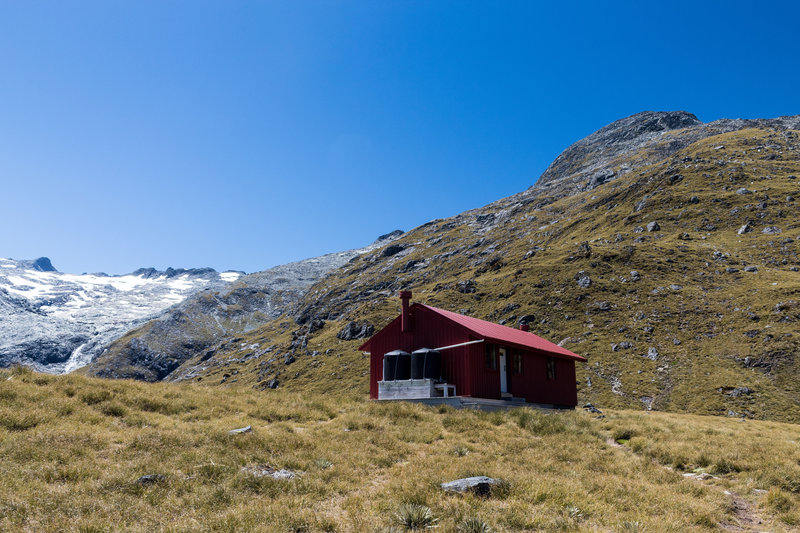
(629, 250)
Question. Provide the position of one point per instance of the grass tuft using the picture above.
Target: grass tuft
(414, 516)
(473, 525)
(540, 423)
(95, 397)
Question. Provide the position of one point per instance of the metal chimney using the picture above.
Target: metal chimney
(405, 320)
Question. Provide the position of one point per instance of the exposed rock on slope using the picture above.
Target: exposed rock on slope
(193, 327)
(641, 139)
(58, 322)
(671, 318)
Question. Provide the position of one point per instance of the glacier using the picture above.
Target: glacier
(57, 322)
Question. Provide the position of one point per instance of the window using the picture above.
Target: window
(517, 362)
(491, 357)
(551, 368)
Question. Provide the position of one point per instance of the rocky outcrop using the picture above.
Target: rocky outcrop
(638, 140)
(355, 330)
(151, 273)
(43, 264)
(603, 147)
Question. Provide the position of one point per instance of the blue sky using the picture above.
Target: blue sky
(245, 134)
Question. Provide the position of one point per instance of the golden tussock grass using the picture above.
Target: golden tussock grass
(74, 448)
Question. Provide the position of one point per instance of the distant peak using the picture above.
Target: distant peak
(150, 273)
(596, 154)
(647, 122)
(390, 236)
(43, 264)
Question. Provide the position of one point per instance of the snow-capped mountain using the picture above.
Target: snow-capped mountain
(201, 321)
(58, 322)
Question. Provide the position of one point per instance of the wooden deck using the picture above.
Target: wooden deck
(483, 404)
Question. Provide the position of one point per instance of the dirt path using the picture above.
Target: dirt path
(747, 519)
(745, 513)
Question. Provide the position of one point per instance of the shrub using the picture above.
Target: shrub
(540, 423)
(574, 512)
(623, 434)
(154, 405)
(414, 516)
(219, 498)
(778, 501)
(8, 394)
(323, 463)
(460, 451)
(631, 526)
(787, 479)
(96, 396)
(473, 525)
(91, 529)
(114, 409)
(22, 371)
(725, 466)
(18, 420)
(212, 471)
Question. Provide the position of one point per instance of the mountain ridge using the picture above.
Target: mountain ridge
(677, 277)
(156, 348)
(646, 131)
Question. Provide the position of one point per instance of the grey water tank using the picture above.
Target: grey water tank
(392, 365)
(403, 368)
(426, 363)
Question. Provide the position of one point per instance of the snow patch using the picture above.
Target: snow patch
(230, 276)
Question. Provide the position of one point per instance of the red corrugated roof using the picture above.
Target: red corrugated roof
(504, 334)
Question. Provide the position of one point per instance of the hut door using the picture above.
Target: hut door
(503, 374)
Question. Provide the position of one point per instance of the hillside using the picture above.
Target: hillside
(157, 347)
(89, 455)
(663, 249)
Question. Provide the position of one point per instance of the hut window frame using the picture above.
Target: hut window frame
(551, 368)
(490, 361)
(518, 367)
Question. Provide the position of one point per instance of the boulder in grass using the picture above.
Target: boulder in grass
(592, 409)
(480, 485)
(151, 479)
(584, 281)
(259, 471)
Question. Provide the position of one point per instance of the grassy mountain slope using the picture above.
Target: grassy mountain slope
(690, 330)
(76, 449)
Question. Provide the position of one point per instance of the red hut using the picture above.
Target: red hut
(428, 353)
